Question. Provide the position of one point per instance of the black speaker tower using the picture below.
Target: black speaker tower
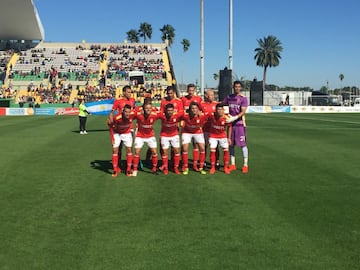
(256, 93)
(225, 83)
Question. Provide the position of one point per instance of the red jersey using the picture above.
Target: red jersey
(208, 108)
(146, 125)
(123, 125)
(121, 102)
(218, 126)
(170, 127)
(178, 105)
(186, 100)
(194, 125)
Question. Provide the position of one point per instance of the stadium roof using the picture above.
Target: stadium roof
(19, 20)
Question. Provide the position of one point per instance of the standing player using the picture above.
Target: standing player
(147, 100)
(220, 133)
(120, 102)
(209, 107)
(190, 97)
(193, 122)
(186, 100)
(238, 104)
(146, 118)
(169, 136)
(117, 108)
(122, 127)
(172, 99)
(178, 108)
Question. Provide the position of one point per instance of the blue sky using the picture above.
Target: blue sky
(320, 38)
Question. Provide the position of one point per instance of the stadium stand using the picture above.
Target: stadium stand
(33, 71)
(93, 71)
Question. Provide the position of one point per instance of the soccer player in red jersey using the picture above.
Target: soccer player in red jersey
(154, 109)
(186, 100)
(171, 99)
(169, 136)
(190, 97)
(178, 108)
(122, 126)
(209, 107)
(118, 107)
(120, 102)
(146, 118)
(219, 134)
(192, 130)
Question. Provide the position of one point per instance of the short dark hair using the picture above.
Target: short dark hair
(147, 100)
(126, 87)
(190, 85)
(219, 105)
(127, 106)
(238, 82)
(194, 103)
(169, 88)
(169, 105)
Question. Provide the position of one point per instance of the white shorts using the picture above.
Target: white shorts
(174, 141)
(139, 142)
(187, 137)
(125, 138)
(223, 142)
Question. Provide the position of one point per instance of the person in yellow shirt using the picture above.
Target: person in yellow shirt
(83, 113)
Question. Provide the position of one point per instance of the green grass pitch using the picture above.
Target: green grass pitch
(297, 208)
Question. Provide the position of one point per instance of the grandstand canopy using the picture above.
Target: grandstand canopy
(19, 20)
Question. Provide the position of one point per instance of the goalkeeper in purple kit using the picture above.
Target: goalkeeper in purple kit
(238, 104)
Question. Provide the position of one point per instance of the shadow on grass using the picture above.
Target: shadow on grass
(102, 165)
(145, 166)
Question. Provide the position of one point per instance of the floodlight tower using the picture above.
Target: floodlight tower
(230, 34)
(202, 81)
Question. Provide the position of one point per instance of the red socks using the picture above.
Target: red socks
(176, 161)
(115, 161)
(129, 158)
(212, 157)
(136, 160)
(226, 158)
(154, 160)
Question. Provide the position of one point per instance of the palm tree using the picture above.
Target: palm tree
(216, 76)
(133, 36)
(341, 77)
(168, 33)
(268, 54)
(186, 44)
(145, 31)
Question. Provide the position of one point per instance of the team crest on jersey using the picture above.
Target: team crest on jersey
(151, 121)
(222, 122)
(174, 120)
(197, 121)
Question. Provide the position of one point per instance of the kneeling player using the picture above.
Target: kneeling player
(122, 126)
(169, 136)
(193, 122)
(146, 118)
(219, 133)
